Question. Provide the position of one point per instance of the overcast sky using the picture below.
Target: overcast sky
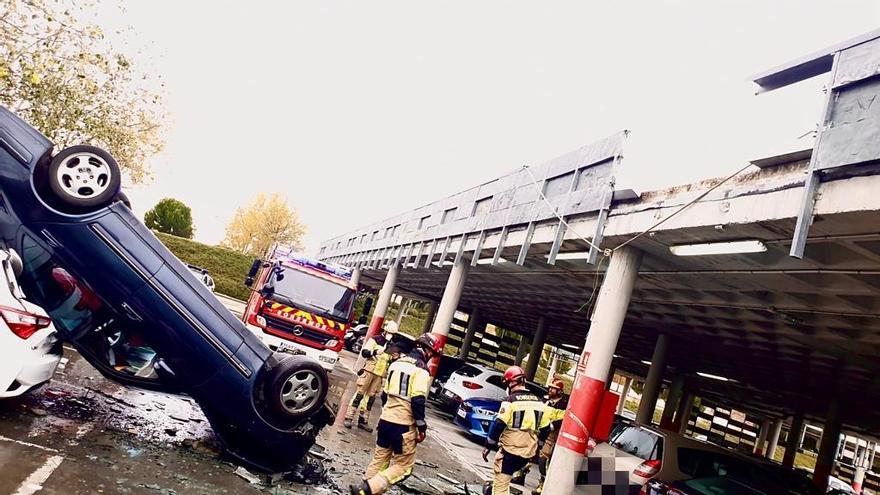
(358, 110)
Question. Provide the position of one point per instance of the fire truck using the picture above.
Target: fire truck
(300, 305)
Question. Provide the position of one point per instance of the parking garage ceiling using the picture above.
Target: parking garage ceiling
(788, 333)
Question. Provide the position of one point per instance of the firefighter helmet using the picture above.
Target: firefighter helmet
(557, 383)
(430, 343)
(391, 327)
(514, 374)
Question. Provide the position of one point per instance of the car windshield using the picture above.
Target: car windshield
(638, 442)
(468, 371)
(324, 296)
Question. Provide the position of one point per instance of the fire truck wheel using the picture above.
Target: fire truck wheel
(84, 178)
(296, 388)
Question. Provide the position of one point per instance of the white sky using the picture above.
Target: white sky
(357, 110)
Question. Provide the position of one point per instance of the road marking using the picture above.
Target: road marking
(34, 482)
(26, 444)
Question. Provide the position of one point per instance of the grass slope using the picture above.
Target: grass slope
(228, 268)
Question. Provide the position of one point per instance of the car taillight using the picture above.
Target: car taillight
(471, 385)
(648, 469)
(23, 324)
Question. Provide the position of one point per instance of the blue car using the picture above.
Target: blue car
(475, 416)
(138, 314)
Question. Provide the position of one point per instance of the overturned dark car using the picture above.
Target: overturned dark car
(138, 314)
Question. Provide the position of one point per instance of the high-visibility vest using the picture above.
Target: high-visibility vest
(406, 379)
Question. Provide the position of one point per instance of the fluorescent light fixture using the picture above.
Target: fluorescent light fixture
(714, 377)
(488, 261)
(646, 362)
(571, 256)
(735, 247)
(570, 346)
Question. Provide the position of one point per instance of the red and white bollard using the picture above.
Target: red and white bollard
(383, 301)
(448, 306)
(589, 385)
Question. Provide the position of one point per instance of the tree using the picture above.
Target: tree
(266, 220)
(170, 216)
(62, 76)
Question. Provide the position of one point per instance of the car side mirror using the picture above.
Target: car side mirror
(249, 281)
(267, 291)
(255, 267)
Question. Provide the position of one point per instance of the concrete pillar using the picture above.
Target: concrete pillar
(862, 467)
(627, 384)
(404, 302)
(673, 396)
(429, 318)
(448, 305)
(554, 365)
(763, 433)
(828, 446)
(522, 349)
(873, 450)
(653, 383)
(803, 435)
(356, 277)
(537, 348)
(383, 300)
(592, 370)
(793, 442)
(473, 326)
(683, 414)
(774, 438)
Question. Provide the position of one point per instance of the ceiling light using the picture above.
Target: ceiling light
(646, 362)
(571, 256)
(570, 346)
(713, 377)
(488, 261)
(735, 247)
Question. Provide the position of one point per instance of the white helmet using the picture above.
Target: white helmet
(390, 327)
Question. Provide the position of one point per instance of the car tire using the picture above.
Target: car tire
(296, 388)
(357, 345)
(84, 178)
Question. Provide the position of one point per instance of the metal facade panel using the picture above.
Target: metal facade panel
(858, 63)
(853, 132)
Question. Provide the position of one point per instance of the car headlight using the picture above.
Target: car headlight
(484, 412)
(331, 343)
(260, 321)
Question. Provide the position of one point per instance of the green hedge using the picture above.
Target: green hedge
(228, 268)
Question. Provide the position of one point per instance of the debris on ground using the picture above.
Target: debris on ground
(247, 475)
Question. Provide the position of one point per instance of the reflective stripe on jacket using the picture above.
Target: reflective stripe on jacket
(521, 416)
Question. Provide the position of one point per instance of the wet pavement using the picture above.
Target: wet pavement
(82, 434)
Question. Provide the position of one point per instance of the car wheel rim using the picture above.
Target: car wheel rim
(84, 175)
(300, 391)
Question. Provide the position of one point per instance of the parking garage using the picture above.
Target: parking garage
(758, 293)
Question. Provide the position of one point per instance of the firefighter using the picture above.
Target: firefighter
(515, 431)
(558, 403)
(370, 377)
(402, 425)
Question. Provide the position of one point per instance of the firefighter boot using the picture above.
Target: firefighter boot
(364, 420)
(353, 408)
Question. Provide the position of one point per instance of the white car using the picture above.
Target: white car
(472, 381)
(29, 347)
(202, 274)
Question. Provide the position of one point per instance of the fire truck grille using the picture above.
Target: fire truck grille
(298, 330)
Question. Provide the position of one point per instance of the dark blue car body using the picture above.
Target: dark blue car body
(145, 294)
(475, 416)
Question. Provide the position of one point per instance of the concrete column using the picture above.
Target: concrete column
(774, 438)
(828, 446)
(448, 305)
(429, 318)
(554, 365)
(762, 437)
(873, 450)
(383, 300)
(522, 349)
(683, 414)
(592, 371)
(793, 442)
(356, 277)
(861, 468)
(653, 383)
(404, 302)
(473, 325)
(803, 435)
(627, 384)
(537, 348)
(673, 396)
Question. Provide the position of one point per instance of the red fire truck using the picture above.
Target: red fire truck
(300, 305)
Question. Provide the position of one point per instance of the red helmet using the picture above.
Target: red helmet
(557, 383)
(514, 373)
(430, 342)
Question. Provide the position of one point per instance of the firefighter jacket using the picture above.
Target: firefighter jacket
(405, 391)
(516, 427)
(377, 359)
(556, 413)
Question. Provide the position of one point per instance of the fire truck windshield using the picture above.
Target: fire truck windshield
(314, 293)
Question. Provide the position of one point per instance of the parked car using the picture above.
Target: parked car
(354, 338)
(202, 275)
(756, 479)
(446, 366)
(648, 454)
(475, 416)
(468, 382)
(29, 347)
(136, 313)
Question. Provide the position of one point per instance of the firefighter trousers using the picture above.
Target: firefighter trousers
(368, 386)
(506, 464)
(393, 458)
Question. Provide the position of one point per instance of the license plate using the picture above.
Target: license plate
(283, 347)
(461, 413)
(449, 394)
